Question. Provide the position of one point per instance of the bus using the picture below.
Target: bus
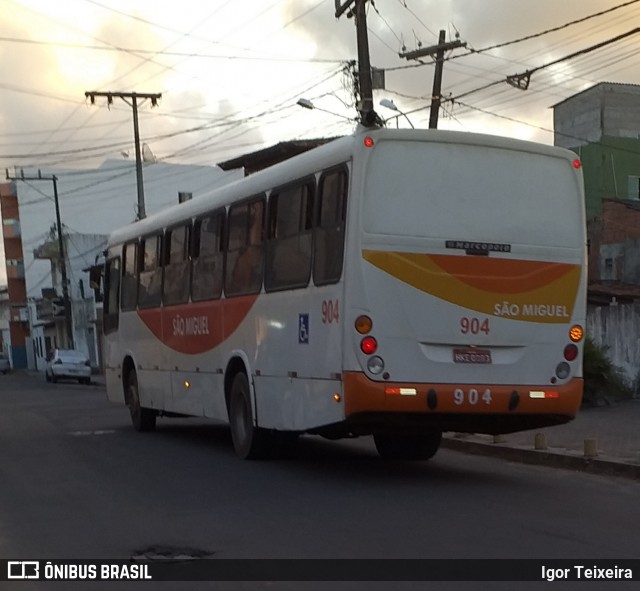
(391, 283)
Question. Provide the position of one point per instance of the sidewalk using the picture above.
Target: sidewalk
(613, 432)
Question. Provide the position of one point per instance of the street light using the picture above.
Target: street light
(307, 104)
(389, 104)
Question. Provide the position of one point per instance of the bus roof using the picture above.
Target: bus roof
(327, 155)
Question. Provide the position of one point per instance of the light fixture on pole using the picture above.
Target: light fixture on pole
(307, 104)
(389, 104)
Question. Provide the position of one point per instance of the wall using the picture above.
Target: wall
(617, 327)
(606, 167)
(606, 109)
(15, 273)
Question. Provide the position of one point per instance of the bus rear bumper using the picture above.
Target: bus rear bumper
(481, 408)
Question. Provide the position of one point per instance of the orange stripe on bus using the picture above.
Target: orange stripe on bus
(530, 291)
(198, 327)
(504, 276)
(362, 395)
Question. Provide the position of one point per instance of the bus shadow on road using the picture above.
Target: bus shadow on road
(346, 459)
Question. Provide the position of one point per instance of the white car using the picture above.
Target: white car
(5, 366)
(70, 364)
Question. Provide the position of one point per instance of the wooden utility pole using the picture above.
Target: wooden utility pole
(439, 51)
(133, 96)
(368, 116)
(63, 263)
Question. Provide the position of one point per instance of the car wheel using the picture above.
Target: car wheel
(143, 419)
(47, 376)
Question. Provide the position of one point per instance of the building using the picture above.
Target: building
(15, 338)
(602, 124)
(92, 204)
(5, 340)
(261, 159)
(48, 314)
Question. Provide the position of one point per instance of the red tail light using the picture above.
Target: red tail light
(369, 345)
(570, 352)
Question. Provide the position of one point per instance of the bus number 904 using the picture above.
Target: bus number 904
(330, 311)
(474, 325)
(473, 396)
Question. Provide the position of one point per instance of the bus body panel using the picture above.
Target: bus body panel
(465, 297)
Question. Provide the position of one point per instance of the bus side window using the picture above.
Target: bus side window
(176, 268)
(290, 238)
(245, 247)
(150, 277)
(129, 292)
(206, 280)
(330, 228)
(111, 292)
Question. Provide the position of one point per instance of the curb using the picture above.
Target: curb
(545, 458)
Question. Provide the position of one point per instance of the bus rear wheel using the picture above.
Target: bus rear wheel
(143, 419)
(249, 441)
(407, 446)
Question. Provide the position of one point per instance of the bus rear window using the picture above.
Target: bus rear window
(466, 192)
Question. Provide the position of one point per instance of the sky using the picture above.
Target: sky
(230, 73)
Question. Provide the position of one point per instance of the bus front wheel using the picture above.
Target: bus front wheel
(143, 419)
(249, 441)
(407, 446)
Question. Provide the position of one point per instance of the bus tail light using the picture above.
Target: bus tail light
(571, 352)
(363, 324)
(375, 365)
(563, 370)
(576, 332)
(368, 345)
(543, 394)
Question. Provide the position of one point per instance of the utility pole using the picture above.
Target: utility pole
(439, 51)
(63, 264)
(368, 116)
(133, 96)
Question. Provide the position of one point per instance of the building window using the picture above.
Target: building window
(634, 188)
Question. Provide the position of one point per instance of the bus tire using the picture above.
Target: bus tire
(249, 441)
(407, 446)
(143, 419)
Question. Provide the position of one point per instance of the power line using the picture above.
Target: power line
(552, 30)
(522, 80)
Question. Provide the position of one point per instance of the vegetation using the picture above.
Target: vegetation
(603, 381)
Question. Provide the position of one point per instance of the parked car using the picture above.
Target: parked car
(70, 364)
(5, 366)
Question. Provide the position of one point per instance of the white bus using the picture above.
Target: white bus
(394, 283)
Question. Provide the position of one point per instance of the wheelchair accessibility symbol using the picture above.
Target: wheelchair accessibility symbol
(303, 328)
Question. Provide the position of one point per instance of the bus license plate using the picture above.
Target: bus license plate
(472, 356)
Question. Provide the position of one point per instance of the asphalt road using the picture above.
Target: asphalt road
(76, 481)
